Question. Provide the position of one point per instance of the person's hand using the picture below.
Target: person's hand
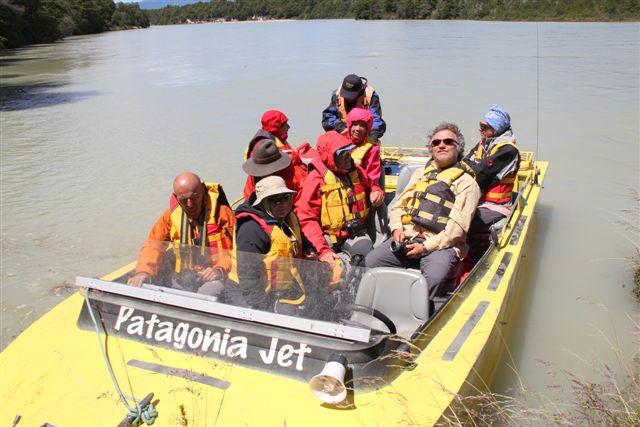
(210, 274)
(139, 278)
(398, 235)
(376, 198)
(328, 257)
(415, 250)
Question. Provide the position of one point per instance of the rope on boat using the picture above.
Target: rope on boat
(144, 411)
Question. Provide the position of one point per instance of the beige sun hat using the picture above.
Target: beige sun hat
(270, 186)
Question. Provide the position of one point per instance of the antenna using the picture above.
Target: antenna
(537, 87)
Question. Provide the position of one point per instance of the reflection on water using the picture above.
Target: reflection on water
(84, 175)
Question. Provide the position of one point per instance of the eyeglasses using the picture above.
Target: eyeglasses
(280, 198)
(193, 198)
(484, 126)
(447, 141)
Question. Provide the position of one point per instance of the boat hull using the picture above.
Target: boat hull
(55, 372)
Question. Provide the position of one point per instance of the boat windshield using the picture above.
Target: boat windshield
(299, 293)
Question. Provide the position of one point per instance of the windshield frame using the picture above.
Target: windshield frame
(206, 304)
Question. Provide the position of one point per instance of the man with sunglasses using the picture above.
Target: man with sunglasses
(431, 217)
(495, 161)
(268, 240)
(199, 222)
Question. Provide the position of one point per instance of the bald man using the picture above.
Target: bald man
(194, 206)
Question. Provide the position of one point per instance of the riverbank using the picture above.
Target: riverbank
(475, 10)
(27, 24)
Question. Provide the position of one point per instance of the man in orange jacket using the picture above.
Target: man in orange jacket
(198, 216)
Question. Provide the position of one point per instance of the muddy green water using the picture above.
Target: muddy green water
(94, 129)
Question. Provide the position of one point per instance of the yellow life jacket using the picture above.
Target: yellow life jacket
(341, 203)
(189, 242)
(433, 198)
(341, 103)
(360, 151)
(280, 266)
(502, 191)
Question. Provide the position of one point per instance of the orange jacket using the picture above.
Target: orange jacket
(154, 248)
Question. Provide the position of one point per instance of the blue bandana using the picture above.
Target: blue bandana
(498, 118)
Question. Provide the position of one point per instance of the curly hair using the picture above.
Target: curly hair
(451, 127)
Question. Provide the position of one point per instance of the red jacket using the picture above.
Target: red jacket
(371, 162)
(309, 204)
(293, 175)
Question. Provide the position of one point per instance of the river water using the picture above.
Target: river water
(93, 130)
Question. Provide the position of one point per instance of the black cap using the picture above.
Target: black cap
(352, 87)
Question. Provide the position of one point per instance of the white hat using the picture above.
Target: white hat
(270, 186)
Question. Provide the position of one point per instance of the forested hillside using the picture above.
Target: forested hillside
(517, 10)
(40, 21)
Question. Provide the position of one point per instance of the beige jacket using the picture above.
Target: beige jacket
(454, 235)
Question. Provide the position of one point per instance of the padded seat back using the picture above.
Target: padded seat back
(401, 295)
(403, 179)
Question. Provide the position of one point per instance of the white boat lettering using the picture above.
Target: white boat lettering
(182, 334)
(283, 355)
(125, 313)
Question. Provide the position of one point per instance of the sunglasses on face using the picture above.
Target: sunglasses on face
(484, 126)
(447, 141)
(280, 198)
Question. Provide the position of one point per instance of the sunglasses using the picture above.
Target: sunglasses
(447, 141)
(484, 126)
(280, 198)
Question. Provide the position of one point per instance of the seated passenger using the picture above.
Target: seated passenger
(495, 161)
(335, 197)
(432, 215)
(194, 207)
(267, 226)
(366, 153)
(267, 160)
(354, 92)
(275, 128)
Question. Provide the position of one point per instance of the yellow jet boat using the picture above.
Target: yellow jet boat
(382, 354)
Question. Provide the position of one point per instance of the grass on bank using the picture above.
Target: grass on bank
(613, 402)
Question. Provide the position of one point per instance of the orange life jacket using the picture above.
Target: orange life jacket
(342, 106)
(186, 237)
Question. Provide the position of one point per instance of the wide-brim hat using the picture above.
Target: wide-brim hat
(352, 87)
(266, 159)
(270, 186)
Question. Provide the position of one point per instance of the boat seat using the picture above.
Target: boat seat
(400, 294)
(403, 179)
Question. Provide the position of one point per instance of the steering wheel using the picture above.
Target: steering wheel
(378, 315)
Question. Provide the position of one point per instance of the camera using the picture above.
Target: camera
(355, 228)
(398, 247)
(401, 247)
